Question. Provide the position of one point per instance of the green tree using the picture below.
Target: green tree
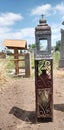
(33, 46)
(57, 47)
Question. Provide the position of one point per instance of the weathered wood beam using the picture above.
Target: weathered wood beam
(12, 54)
(16, 61)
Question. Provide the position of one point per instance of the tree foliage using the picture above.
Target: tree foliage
(32, 46)
(57, 47)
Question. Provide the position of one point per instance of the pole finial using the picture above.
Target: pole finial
(42, 15)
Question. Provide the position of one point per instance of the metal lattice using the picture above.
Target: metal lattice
(44, 108)
(44, 88)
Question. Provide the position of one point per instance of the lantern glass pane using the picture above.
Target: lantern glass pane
(43, 45)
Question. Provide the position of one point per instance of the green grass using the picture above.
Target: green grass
(10, 63)
(56, 57)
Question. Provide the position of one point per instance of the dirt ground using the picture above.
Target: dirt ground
(17, 104)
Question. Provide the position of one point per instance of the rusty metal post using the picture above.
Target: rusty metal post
(44, 89)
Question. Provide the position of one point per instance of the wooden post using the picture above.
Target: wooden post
(27, 65)
(16, 61)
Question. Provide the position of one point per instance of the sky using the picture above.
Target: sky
(18, 19)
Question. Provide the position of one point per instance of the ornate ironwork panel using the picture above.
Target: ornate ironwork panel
(44, 88)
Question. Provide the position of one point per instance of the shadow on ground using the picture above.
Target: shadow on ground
(59, 107)
(28, 116)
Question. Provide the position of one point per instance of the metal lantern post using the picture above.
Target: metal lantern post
(43, 72)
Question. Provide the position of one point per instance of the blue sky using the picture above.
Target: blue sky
(18, 18)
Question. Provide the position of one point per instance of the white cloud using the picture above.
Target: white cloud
(48, 9)
(56, 33)
(22, 33)
(9, 18)
(4, 30)
(7, 30)
(6, 21)
(62, 18)
(26, 34)
(59, 8)
(43, 9)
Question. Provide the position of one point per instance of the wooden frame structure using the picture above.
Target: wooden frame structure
(16, 45)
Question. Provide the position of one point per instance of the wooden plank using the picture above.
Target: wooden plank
(19, 44)
(16, 54)
(22, 67)
(17, 60)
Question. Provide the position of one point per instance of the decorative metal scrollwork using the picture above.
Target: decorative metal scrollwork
(44, 88)
(44, 65)
(44, 108)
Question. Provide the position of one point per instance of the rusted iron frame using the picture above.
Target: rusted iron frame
(36, 77)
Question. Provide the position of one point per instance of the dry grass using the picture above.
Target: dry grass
(6, 66)
(59, 73)
(3, 76)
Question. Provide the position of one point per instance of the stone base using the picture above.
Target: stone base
(61, 63)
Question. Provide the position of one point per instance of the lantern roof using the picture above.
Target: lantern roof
(43, 26)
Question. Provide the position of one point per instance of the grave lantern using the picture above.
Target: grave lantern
(43, 72)
(61, 61)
